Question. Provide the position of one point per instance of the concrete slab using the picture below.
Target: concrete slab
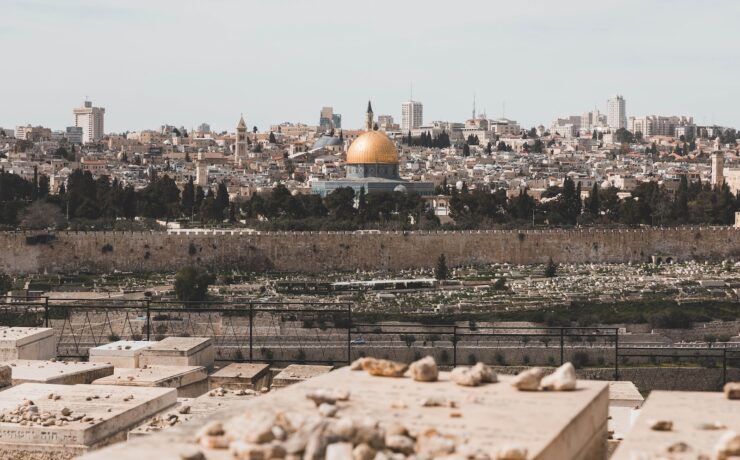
(98, 416)
(190, 381)
(295, 373)
(241, 376)
(179, 351)
(624, 407)
(123, 353)
(188, 409)
(688, 410)
(27, 343)
(550, 425)
(59, 372)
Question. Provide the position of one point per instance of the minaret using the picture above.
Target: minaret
(240, 149)
(369, 117)
(718, 169)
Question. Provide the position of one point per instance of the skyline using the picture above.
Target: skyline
(151, 69)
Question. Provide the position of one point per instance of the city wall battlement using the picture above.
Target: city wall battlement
(315, 252)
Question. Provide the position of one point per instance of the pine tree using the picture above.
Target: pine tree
(551, 269)
(593, 201)
(188, 198)
(441, 271)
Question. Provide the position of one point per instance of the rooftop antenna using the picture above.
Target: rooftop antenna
(473, 106)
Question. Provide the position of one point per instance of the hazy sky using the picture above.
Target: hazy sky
(183, 62)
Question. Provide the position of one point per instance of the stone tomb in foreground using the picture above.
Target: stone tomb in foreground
(107, 414)
(123, 353)
(688, 410)
(27, 343)
(295, 373)
(59, 372)
(241, 376)
(625, 402)
(188, 409)
(189, 381)
(550, 425)
(179, 351)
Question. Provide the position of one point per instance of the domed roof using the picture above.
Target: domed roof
(372, 147)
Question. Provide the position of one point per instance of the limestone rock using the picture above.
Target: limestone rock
(660, 425)
(339, 451)
(510, 453)
(328, 410)
(329, 396)
(465, 377)
(384, 367)
(528, 380)
(363, 452)
(424, 370)
(486, 373)
(732, 390)
(191, 453)
(727, 446)
(399, 443)
(357, 364)
(563, 379)
(432, 444)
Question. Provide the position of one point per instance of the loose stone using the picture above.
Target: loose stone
(424, 370)
(528, 380)
(563, 379)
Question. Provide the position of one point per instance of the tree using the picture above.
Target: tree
(466, 150)
(593, 201)
(441, 272)
(551, 269)
(6, 284)
(272, 138)
(191, 284)
(188, 198)
(41, 215)
(222, 200)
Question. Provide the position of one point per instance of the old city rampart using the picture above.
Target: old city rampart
(315, 252)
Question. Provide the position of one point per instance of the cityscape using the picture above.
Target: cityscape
(408, 232)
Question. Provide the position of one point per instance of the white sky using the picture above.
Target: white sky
(183, 62)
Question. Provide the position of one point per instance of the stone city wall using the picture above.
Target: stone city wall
(316, 252)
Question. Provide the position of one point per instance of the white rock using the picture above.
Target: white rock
(727, 446)
(563, 379)
(424, 370)
(528, 380)
(339, 451)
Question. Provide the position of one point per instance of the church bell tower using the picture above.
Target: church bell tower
(369, 117)
(241, 147)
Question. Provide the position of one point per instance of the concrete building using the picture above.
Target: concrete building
(32, 133)
(654, 125)
(411, 115)
(329, 120)
(74, 134)
(616, 112)
(91, 120)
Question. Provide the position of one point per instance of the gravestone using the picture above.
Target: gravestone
(123, 353)
(6, 376)
(59, 372)
(295, 373)
(96, 416)
(549, 425)
(188, 409)
(241, 376)
(624, 406)
(179, 351)
(698, 419)
(27, 343)
(190, 381)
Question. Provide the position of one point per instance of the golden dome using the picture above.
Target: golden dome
(372, 147)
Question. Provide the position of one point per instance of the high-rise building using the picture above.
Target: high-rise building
(204, 128)
(91, 120)
(329, 120)
(654, 125)
(411, 115)
(74, 134)
(616, 112)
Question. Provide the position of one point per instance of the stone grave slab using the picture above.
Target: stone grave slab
(97, 416)
(27, 343)
(550, 425)
(59, 372)
(188, 409)
(6, 376)
(295, 373)
(241, 376)
(179, 351)
(123, 353)
(624, 407)
(688, 410)
(190, 381)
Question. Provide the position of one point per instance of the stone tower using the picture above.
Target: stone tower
(201, 173)
(369, 117)
(241, 146)
(718, 169)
